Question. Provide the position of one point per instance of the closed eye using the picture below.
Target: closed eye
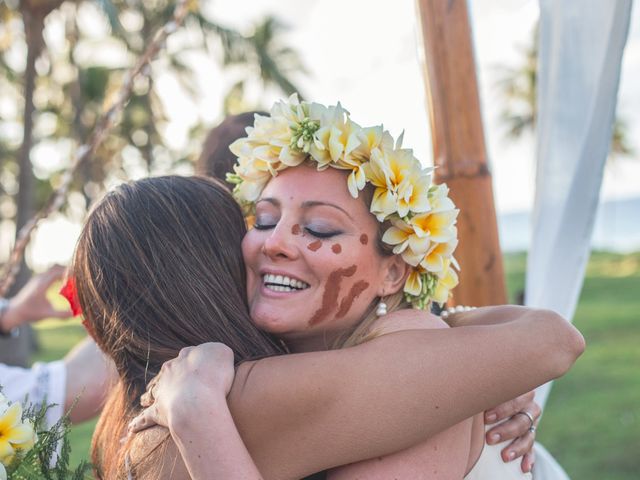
(321, 234)
(263, 226)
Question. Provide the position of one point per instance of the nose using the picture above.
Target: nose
(280, 245)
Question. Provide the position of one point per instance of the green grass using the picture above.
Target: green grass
(56, 338)
(592, 421)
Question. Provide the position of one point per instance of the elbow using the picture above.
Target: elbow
(568, 342)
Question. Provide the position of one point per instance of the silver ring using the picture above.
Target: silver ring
(529, 416)
(532, 429)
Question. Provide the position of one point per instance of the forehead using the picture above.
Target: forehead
(306, 182)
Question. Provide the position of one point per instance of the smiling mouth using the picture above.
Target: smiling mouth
(282, 283)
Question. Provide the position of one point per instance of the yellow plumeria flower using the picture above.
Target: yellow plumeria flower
(437, 226)
(439, 256)
(413, 193)
(413, 284)
(407, 242)
(337, 137)
(13, 433)
(372, 138)
(402, 186)
(444, 286)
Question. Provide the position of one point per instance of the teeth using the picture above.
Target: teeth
(282, 283)
(280, 288)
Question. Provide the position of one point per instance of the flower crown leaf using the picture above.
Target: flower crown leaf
(421, 215)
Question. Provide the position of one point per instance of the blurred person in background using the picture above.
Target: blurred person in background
(82, 372)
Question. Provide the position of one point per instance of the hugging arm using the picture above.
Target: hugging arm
(303, 413)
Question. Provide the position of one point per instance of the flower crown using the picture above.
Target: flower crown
(421, 215)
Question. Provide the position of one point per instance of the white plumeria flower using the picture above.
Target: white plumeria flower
(3, 472)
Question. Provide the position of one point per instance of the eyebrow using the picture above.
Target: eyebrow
(307, 204)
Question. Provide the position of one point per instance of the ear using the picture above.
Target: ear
(394, 274)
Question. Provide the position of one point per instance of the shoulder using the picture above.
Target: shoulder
(407, 319)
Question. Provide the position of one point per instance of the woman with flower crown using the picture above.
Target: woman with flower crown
(338, 256)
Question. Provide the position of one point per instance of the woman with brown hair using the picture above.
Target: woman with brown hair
(159, 268)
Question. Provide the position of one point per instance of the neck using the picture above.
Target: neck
(315, 343)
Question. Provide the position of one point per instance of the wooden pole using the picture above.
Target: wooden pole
(459, 148)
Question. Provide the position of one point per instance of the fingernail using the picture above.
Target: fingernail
(494, 438)
(512, 455)
(491, 417)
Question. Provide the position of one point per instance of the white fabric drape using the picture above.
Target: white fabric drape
(580, 54)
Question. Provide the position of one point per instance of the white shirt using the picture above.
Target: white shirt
(40, 384)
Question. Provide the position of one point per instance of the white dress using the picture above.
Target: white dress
(491, 467)
(40, 384)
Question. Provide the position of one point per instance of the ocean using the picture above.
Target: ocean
(617, 228)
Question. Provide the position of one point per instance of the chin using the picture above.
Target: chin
(270, 322)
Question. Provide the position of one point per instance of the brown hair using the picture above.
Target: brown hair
(158, 268)
(216, 160)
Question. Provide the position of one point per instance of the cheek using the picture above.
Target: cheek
(250, 248)
(359, 288)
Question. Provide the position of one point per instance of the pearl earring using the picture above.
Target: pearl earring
(381, 311)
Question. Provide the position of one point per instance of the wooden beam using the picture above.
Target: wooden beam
(459, 148)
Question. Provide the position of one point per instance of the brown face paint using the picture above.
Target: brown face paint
(296, 230)
(314, 246)
(336, 248)
(364, 239)
(354, 293)
(331, 290)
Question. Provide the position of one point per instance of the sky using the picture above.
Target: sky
(365, 54)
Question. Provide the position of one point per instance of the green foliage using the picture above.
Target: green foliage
(49, 459)
(80, 70)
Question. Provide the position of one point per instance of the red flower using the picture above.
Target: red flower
(69, 292)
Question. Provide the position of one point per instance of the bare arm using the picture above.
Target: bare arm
(211, 448)
(286, 408)
(89, 375)
(299, 414)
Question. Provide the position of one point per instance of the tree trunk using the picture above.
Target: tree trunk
(16, 351)
(459, 148)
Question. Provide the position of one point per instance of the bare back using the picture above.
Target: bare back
(447, 455)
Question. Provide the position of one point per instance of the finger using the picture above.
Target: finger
(508, 409)
(527, 461)
(518, 447)
(515, 427)
(146, 419)
(184, 352)
(147, 398)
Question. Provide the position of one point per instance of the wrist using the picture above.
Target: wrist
(8, 326)
(192, 411)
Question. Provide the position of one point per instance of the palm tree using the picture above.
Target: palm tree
(73, 91)
(518, 87)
